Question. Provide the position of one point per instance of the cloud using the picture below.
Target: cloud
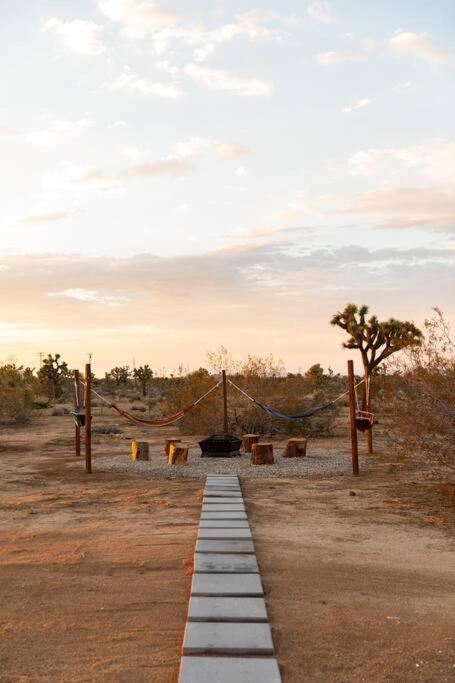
(98, 179)
(139, 18)
(419, 45)
(409, 207)
(58, 133)
(195, 147)
(218, 79)
(130, 81)
(91, 296)
(44, 217)
(78, 36)
(328, 58)
(9, 134)
(180, 306)
(321, 10)
(364, 102)
(434, 160)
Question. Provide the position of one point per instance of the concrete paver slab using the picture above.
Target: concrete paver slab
(227, 638)
(222, 499)
(224, 546)
(224, 533)
(228, 563)
(222, 507)
(223, 515)
(229, 670)
(227, 609)
(224, 524)
(241, 585)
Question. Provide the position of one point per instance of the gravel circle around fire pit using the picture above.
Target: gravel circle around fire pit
(314, 464)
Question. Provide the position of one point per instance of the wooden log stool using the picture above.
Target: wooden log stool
(247, 441)
(295, 448)
(178, 454)
(262, 454)
(167, 446)
(139, 450)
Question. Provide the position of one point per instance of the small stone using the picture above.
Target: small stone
(352, 493)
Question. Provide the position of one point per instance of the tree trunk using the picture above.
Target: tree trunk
(139, 450)
(295, 448)
(262, 454)
(167, 446)
(178, 455)
(248, 441)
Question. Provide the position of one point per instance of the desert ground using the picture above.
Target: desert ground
(95, 570)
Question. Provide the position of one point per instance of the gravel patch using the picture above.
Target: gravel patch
(314, 464)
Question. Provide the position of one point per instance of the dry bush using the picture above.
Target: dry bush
(418, 394)
(17, 389)
(264, 379)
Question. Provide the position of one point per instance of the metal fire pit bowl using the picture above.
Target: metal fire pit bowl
(220, 446)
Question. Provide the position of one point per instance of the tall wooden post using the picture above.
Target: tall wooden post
(225, 408)
(368, 409)
(88, 419)
(354, 445)
(77, 400)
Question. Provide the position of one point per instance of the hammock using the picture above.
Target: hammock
(156, 422)
(284, 416)
(78, 414)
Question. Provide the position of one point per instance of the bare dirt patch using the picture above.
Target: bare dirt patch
(95, 571)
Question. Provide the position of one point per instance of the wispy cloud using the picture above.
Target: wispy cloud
(195, 147)
(328, 58)
(218, 79)
(44, 217)
(130, 81)
(92, 296)
(359, 104)
(98, 179)
(420, 45)
(139, 18)
(82, 37)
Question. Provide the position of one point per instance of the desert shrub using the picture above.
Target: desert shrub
(106, 430)
(135, 398)
(139, 409)
(17, 389)
(419, 400)
(60, 412)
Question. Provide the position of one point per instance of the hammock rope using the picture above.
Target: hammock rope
(298, 416)
(156, 422)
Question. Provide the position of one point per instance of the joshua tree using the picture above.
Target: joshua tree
(375, 340)
(120, 374)
(143, 374)
(53, 373)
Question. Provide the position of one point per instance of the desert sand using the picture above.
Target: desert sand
(95, 570)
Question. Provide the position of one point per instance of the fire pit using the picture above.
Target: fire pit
(220, 446)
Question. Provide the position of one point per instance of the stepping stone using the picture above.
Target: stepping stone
(229, 670)
(225, 638)
(228, 585)
(217, 507)
(226, 546)
(221, 500)
(224, 533)
(224, 524)
(227, 609)
(210, 493)
(223, 515)
(228, 563)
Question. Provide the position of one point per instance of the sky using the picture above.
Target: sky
(176, 177)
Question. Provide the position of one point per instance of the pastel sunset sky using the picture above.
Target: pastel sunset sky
(179, 176)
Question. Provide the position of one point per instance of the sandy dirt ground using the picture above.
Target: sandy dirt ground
(95, 571)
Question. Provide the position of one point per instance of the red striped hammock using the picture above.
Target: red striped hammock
(158, 422)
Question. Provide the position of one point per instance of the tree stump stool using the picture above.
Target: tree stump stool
(295, 448)
(167, 446)
(247, 441)
(262, 454)
(178, 455)
(139, 450)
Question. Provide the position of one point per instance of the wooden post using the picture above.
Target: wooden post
(225, 408)
(77, 433)
(354, 445)
(368, 409)
(248, 441)
(88, 419)
(262, 454)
